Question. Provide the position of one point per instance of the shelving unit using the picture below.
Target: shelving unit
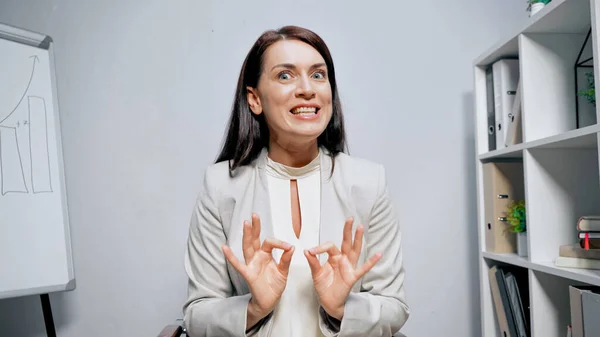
(560, 161)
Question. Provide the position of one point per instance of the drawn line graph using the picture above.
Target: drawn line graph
(17, 128)
(36, 59)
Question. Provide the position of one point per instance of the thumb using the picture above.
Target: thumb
(284, 262)
(313, 262)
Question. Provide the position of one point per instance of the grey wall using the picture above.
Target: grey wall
(145, 88)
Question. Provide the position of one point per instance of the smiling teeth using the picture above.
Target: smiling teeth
(304, 110)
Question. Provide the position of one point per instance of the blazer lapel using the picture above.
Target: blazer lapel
(261, 201)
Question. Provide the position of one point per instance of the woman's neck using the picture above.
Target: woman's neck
(293, 155)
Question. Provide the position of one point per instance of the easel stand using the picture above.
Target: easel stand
(48, 319)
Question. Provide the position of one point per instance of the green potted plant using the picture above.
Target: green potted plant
(515, 215)
(590, 92)
(534, 6)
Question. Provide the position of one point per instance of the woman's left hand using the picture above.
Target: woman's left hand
(334, 279)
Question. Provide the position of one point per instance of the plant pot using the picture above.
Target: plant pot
(536, 7)
(522, 244)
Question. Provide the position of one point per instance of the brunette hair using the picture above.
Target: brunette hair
(247, 134)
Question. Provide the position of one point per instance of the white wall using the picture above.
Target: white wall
(145, 88)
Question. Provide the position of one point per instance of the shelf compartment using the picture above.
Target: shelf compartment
(551, 311)
(548, 83)
(561, 186)
(490, 322)
(502, 183)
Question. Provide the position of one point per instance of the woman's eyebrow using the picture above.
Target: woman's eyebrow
(292, 66)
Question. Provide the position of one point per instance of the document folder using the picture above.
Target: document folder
(503, 183)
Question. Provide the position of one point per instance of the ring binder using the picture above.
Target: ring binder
(503, 183)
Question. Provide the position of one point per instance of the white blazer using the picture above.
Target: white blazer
(218, 295)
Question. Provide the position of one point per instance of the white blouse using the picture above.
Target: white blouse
(297, 313)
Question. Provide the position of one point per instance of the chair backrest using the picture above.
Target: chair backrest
(172, 330)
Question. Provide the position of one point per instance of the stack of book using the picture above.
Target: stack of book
(585, 253)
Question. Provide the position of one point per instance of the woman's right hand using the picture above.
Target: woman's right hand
(266, 279)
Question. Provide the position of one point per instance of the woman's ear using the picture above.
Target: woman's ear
(254, 100)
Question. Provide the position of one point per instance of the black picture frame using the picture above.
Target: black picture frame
(586, 63)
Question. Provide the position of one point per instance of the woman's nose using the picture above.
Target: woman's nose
(305, 88)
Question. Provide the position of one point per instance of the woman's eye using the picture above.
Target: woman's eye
(319, 75)
(284, 76)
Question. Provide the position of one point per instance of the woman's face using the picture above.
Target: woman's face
(293, 92)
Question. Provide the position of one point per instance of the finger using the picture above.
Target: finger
(347, 239)
(239, 266)
(358, 239)
(271, 243)
(327, 247)
(370, 263)
(255, 231)
(313, 262)
(284, 262)
(247, 244)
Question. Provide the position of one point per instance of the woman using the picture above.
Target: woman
(262, 255)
